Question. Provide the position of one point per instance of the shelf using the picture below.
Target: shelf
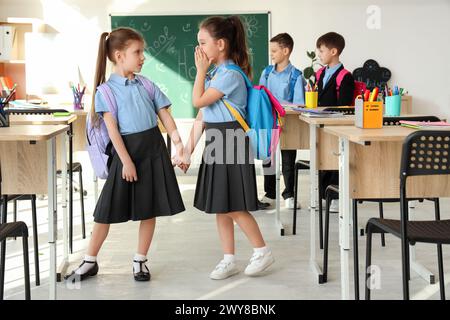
(13, 61)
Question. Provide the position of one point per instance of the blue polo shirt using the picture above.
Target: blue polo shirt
(136, 112)
(329, 73)
(232, 85)
(279, 85)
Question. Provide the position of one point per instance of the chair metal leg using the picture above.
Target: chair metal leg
(437, 212)
(35, 239)
(355, 249)
(326, 237)
(406, 276)
(380, 206)
(368, 262)
(83, 224)
(15, 213)
(26, 268)
(294, 222)
(320, 221)
(3, 247)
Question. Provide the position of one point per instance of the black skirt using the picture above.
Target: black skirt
(156, 193)
(226, 180)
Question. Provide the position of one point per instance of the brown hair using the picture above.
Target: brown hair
(118, 39)
(284, 40)
(231, 29)
(332, 40)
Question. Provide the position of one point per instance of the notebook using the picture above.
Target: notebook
(424, 125)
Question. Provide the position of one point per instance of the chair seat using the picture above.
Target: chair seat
(13, 229)
(418, 231)
(76, 167)
(302, 165)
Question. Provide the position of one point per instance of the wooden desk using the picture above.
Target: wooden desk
(369, 163)
(49, 119)
(28, 163)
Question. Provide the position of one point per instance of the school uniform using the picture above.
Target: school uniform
(328, 97)
(156, 193)
(226, 180)
(279, 85)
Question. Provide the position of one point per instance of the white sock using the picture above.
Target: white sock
(262, 250)
(86, 266)
(229, 258)
(137, 265)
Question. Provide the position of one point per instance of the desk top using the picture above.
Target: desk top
(40, 119)
(31, 132)
(358, 135)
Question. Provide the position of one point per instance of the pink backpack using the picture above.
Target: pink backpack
(359, 86)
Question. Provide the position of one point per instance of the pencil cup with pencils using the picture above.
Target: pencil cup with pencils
(78, 95)
(311, 96)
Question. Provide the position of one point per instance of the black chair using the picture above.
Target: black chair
(423, 153)
(76, 167)
(32, 197)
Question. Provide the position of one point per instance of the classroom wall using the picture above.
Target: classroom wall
(412, 40)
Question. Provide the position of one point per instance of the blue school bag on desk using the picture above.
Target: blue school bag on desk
(263, 123)
(99, 145)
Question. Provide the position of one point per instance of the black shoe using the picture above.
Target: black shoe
(142, 275)
(80, 277)
(263, 205)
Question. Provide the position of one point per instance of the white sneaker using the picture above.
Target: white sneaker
(334, 206)
(258, 263)
(224, 270)
(289, 203)
(271, 202)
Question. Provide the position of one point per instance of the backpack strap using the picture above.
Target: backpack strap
(319, 73)
(110, 100)
(234, 67)
(237, 116)
(148, 85)
(267, 71)
(292, 81)
(339, 79)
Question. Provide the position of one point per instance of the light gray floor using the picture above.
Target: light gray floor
(186, 248)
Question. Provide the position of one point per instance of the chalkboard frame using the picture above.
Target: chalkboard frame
(208, 13)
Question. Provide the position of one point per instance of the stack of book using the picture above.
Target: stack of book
(422, 125)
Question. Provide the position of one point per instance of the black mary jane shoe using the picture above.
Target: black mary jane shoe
(80, 277)
(141, 275)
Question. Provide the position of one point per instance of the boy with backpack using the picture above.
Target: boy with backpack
(287, 85)
(336, 87)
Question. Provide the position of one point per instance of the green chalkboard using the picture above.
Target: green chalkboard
(171, 40)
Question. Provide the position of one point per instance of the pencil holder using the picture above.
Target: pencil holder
(311, 99)
(368, 115)
(393, 105)
(78, 103)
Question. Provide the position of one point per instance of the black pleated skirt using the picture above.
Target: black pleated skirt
(156, 193)
(226, 180)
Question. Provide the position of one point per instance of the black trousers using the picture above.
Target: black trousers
(288, 170)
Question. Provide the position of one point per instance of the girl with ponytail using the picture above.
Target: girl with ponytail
(226, 184)
(141, 183)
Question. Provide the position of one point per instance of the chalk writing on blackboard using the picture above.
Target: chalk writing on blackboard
(187, 28)
(146, 27)
(372, 74)
(251, 25)
(163, 42)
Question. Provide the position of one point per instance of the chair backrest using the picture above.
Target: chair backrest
(35, 111)
(395, 121)
(346, 110)
(425, 152)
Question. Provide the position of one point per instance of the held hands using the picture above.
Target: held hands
(202, 62)
(181, 158)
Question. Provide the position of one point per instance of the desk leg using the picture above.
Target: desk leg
(313, 203)
(65, 263)
(419, 268)
(277, 190)
(344, 215)
(52, 215)
(70, 188)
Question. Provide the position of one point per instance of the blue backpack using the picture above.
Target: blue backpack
(294, 76)
(263, 123)
(97, 135)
